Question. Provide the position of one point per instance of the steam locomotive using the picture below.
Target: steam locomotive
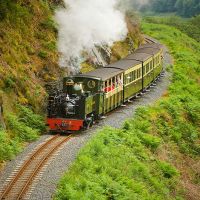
(87, 97)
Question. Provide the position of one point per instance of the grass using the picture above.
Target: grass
(28, 56)
(144, 159)
(28, 49)
(26, 126)
(118, 165)
(188, 26)
(29, 59)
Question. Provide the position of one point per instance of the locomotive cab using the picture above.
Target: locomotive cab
(75, 107)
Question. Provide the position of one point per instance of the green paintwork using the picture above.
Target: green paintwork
(158, 70)
(148, 78)
(98, 102)
(113, 101)
(132, 89)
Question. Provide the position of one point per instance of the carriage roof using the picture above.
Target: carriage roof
(148, 50)
(142, 57)
(102, 73)
(124, 64)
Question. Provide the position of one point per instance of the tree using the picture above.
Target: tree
(185, 8)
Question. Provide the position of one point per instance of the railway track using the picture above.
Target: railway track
(148, 40)
(19, 185)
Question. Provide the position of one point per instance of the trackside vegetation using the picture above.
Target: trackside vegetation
(155, 154)
(189, 26)
(22, 128)
(28, 59)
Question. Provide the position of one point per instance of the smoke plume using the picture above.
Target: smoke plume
(84, 24)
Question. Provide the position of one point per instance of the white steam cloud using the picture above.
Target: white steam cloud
(84, 24)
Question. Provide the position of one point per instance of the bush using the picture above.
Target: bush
(151, 141)
(27, 116)
(51, 46)
(9, 82)
(168, 170)
(43, 54)
(117, 164)
(188, 26)
(23, 132)
(49, 24)
(8, 148)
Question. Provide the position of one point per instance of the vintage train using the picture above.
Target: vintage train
(87, 97)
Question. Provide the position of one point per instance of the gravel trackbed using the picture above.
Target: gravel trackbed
(45, 185)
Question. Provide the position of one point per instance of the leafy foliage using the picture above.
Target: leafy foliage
(20, 129)
(189, 26)
(27, 116)
(182, 7)
(24, 127)
(123, 164)
(116, 165)
(28, 38)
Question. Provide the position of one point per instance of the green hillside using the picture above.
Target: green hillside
(28, 58)
(156, 154)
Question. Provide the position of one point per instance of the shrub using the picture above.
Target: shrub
(9, 82)
(8, 148)
(43, 54)
(27, 116)
(20, 129)
(49, 24)
(168, 170)
(51, 46)
(151, 141)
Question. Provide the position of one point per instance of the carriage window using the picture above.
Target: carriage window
(109, 83)
(133, 78)
(113, 82)
(139, 72)
(147, 68)
(130, 75)
(126, 79)
(106, 86)
(119, 80)
(151, 65)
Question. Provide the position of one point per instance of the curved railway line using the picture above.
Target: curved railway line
(19, 185)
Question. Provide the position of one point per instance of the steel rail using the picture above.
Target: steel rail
(29, 161)
(42, 162)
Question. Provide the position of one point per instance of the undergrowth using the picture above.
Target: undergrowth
(29, 55)
(190, 26)
(144, 159)
(28, 59)
(21, 128)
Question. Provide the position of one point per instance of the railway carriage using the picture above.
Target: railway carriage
(84, 98)
(132, 76)
(156, 51)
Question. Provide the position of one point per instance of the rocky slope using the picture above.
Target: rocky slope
(29, 60)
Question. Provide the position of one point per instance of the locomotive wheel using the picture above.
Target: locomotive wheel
(89, 123)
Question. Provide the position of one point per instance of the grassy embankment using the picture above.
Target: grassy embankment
(154, 155)
(189, 26)
(28, 58)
